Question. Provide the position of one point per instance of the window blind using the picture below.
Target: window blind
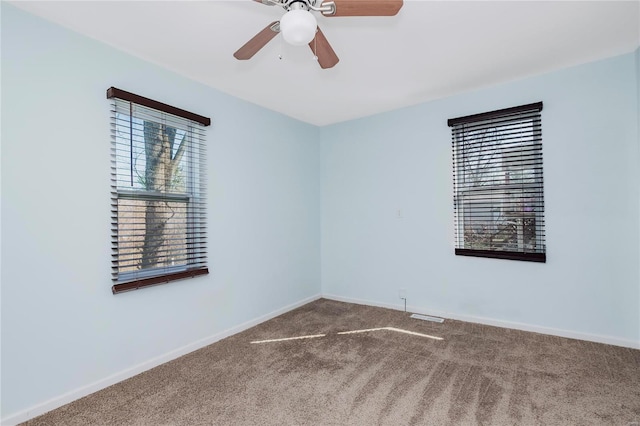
(158, 192)
(498, 184)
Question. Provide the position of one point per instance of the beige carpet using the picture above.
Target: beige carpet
(475, 375)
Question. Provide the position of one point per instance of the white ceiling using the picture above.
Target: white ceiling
(431, 49)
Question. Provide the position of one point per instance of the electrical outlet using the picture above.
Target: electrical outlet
(402, 293)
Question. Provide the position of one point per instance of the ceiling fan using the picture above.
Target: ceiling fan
(299, 27)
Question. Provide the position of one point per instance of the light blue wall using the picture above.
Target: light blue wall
(638, 122)
(286, 198)
(61, 326)
(402, 160)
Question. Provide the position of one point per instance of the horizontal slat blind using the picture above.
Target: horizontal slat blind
(498, 184)
(158, 195)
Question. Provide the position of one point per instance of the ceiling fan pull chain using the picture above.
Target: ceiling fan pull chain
(315, 46)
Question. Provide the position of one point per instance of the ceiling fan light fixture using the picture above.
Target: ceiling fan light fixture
(298, 27)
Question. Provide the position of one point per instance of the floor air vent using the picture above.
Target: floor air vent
(427, 318)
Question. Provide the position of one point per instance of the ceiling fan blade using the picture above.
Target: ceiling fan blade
(327, 58)
(258, 41)
(364, 7)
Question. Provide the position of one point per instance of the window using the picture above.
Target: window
(158, 206)
(498, 193)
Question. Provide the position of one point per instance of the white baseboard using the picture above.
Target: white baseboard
(496, 323)
(59, 401)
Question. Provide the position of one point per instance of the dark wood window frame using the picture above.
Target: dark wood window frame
(113, 92)
(194, 255)
(488, 187)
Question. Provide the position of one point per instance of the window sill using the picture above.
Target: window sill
(509, 255)
(156, 280)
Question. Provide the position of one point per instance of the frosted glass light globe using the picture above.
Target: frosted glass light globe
(298, 27)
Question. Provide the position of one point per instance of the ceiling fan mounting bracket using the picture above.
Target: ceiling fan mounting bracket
(275, 27)
(326, 8)
(297, 5)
